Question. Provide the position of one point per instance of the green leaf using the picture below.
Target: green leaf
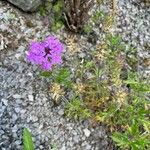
(115, 40)
(121, 139)
(53, 147)
(27, 140)
(96, 16)
(89, 64)
(59, 24)
(42, 11)
(134, 129)
(46, 74)
(87, 29)
(58, 7)
(140, 87)
(63, 77)
(75, 109)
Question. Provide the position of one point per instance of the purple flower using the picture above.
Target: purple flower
(46, 53)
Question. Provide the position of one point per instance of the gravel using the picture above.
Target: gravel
(133, 24)
(25, 98)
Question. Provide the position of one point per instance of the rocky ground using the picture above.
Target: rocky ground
(24, 97)
(133, 24)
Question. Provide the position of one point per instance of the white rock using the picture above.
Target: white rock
(34, 118)
(30, 97)
(30, 74)
(21, 48)
(87, 132)
(18, 55)
(17, 109)
(16, 96)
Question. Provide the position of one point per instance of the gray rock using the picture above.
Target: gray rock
(15, 129)
(61, 112)
(5, 101)
(63, 148)
(14, 117)
(16, 96)
(76, 139)
(26, 5)
(17, 109)
(88, 147)
(82, 55)
(34, 118)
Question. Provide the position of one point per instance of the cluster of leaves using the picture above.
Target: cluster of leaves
(135, 134)
(55, 8)
(60, 76)
(110, 94)
(77, 110)
(61, 79)
(58, 22)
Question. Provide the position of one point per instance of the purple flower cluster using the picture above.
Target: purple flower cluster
(46, 53)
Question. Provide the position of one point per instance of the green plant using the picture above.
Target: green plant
(94, 20)
(53, 147)
(60, 76)
(46, 74)
(132, 138)
(45, 9)
(137, 83)
(58, 21)
(27, 140)
(63, 77)
(28, 143)
(120, 103)
(55, 8)
(75, 109)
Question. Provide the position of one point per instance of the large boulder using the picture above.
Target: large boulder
(27, 5)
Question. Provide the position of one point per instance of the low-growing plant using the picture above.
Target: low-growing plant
(45, 9)
(59, 75)
(63, 77)
(60, 78)
(55, 10)
(53, 147)
(132, 138)
(58, 21)
(135, 132)
(102, 93)
(121, 103)
(75, 109)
